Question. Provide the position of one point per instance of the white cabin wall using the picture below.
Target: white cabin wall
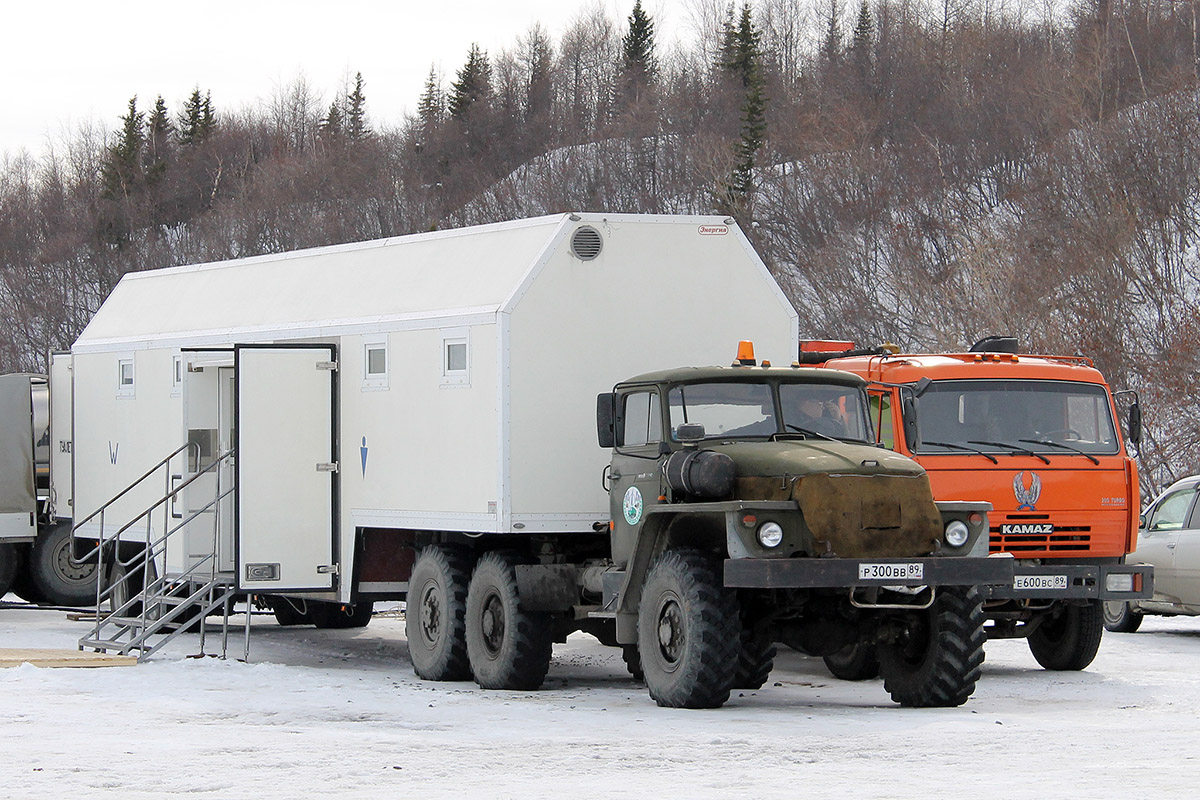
(140, 430)
(659, 295)
(432, 449)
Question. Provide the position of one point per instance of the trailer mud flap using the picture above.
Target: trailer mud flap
(286, 457)
(834, 573)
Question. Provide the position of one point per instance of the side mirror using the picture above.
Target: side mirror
(605, 419)
(689, 432)
(1142, 520)
(912, 433)
(1135, 423)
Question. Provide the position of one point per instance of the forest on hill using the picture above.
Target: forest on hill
(924, 172)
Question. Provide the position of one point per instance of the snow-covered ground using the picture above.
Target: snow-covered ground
(340, 714)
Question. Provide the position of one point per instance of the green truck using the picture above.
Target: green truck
(739, 521)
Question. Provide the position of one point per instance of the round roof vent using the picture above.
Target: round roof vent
(586, 243)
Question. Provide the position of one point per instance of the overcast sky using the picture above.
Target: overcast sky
(66, 62)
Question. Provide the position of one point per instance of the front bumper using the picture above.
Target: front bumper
(1076, 581)
(835, 573)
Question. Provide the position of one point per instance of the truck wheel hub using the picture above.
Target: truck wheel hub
(670, 631)
(431, 615)
(492, 624)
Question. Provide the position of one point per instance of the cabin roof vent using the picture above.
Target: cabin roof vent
(586, 243)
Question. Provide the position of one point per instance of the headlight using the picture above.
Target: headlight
(770, 534)
(957, 533)
(1118, 582)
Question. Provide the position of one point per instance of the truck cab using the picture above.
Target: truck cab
(1037, 436)
(751, 505)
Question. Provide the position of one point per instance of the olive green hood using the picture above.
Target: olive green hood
(809, 456)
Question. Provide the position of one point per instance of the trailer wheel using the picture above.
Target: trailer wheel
(508, 647)
(855, 662)
(435, 614)
(755, 660)
(1120, 618)
(1068, 640)
(688, 631)
(336, 615)
(23, 586)
(936, 661)
(9, 563)
(58, 577)
(286, 611)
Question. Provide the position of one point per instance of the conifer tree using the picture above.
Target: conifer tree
(639, 65)
(860, 45)
(158, 141)
(539, 58)
(831, 44)
(197, 121)
(431, 108)
(356, 112)
(742, 62)
(330, 129)
(472, 89)
(121, 171)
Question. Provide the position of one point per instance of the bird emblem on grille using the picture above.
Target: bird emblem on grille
(1027, 497)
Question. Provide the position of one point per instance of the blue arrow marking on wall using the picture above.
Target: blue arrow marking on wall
(363, 451)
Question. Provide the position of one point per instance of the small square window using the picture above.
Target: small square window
(375, 364)
(176, 376)
(125, 377)
(456, 357)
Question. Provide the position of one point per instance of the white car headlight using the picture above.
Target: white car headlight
(770, 534)
(957, 533)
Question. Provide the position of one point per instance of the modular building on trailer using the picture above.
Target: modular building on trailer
(380, 395)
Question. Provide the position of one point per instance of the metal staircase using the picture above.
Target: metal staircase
(141, 607)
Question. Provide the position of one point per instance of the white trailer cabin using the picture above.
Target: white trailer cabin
(380, 393)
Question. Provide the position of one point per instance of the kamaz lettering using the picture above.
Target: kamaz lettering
(1027, 528)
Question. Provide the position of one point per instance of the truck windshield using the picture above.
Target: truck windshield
(1016, 416)
(748, 409)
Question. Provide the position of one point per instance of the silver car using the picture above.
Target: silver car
(1170, 540)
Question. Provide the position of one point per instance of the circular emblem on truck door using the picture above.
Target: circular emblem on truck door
(632, 505)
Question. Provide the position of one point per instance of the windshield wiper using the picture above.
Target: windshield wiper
(974, 450)
(1049, 443)
(808, 432)
(1015, 448)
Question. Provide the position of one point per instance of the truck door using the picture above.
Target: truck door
(635, 465)
(286, 467)
(1158, 542)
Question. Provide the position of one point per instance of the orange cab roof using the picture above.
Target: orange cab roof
(908, 368)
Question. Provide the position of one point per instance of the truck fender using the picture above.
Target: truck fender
(658, 532)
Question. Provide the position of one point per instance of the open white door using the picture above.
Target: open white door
(286, 467)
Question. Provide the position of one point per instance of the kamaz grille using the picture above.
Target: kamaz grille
(1064, 538)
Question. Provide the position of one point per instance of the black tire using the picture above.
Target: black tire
(287, 611)
(507, 646)
(10, 563)
(938, 661)
(57, 576)
(633, 661)
(1120, 618)
(1068, 640)
(338, 616)
(755, 659)
(435, 614)
(23, 586)
(855, 662)
(688, 631)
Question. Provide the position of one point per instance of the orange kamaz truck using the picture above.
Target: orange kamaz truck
(1040, 438)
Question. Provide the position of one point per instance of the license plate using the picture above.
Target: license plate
(1034, 528)
(891, 572)
(1033, 582)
